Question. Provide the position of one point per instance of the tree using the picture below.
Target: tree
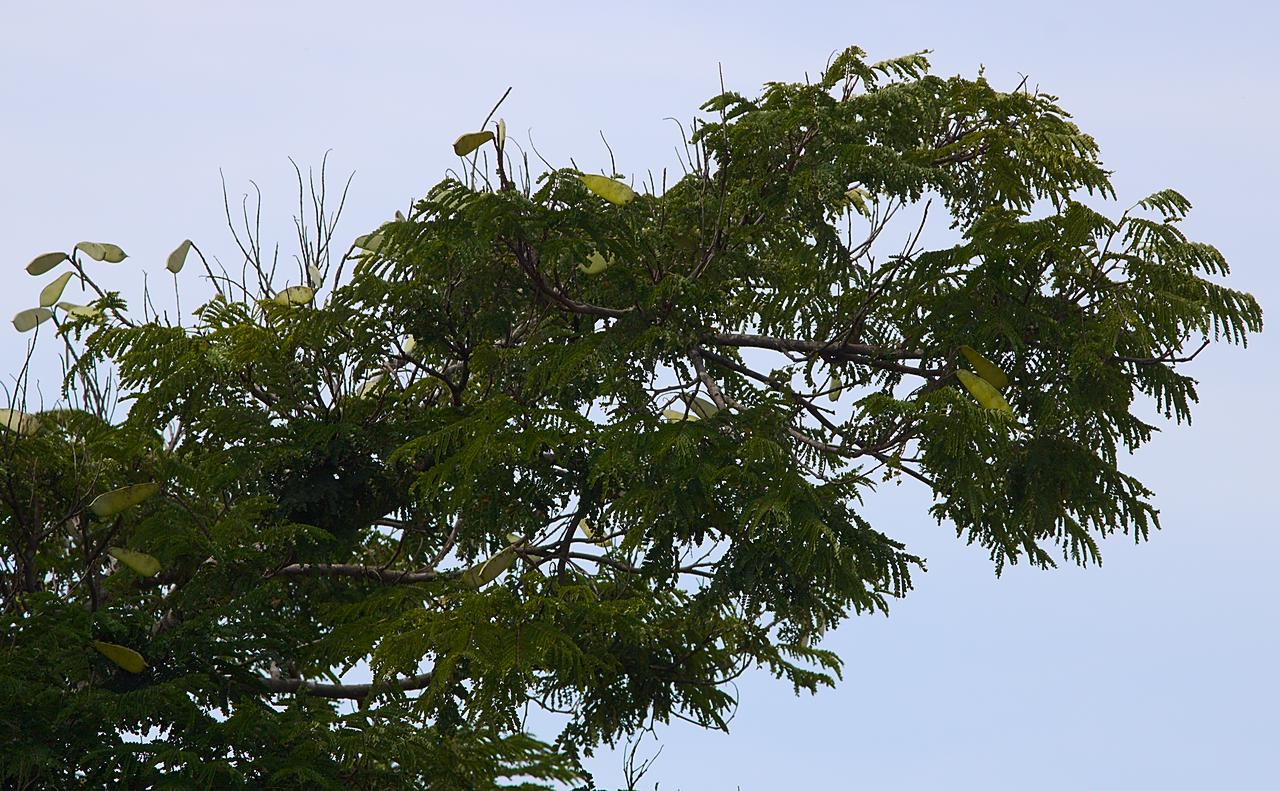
(562, 443)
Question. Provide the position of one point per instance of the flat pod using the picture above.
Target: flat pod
(482, 574)
(19, 422)
(611, 190)
(598, 264)
(469, 142)
(295, 295)
(983, 392)
(50, 294)
(141, 562)
(44, 262)
(113, 502)
(82, 311)
(985, 368)
(178, 257)
(27, 320)
(102, 251)
(701, 406)
(126, 658)
(676, 416)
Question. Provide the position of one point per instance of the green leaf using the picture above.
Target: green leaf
(49, 294)
(295, 295)
(44, 262)
(985, 368)
(140, 562)
(126, 658)
(178, 257)
(102, 251)
(983, 392)
(469, 142)
(26, 320)
(83, 311)
(18, 422)
(113, 502)
(613, 191)
(598, 264)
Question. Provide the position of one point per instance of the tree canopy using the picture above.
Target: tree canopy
(575, 441)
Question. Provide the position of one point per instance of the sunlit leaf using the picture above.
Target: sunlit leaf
(611, 190)
(44, 262)
(49, 294)
(983, 392)
(469, 142)
(126, 658)
(178, 257)
(18, 422)
(26, 320)
(985, 368)
(102, 251)
(295, 295)
(113, 502)
(140, 562)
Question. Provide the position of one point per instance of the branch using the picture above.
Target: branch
(864, 354)
(1167, 357)
(348, 691)
(356, 570)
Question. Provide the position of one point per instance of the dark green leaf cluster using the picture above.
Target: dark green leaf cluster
(502, 476)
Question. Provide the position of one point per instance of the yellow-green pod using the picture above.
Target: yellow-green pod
(983, 392)
(295, 295)
(126, 658)
(469, 142)
(985, 368)
(140, 562)
(18, 422)
(113, 502)
(610, 189)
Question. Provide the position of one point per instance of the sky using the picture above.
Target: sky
(1157, 670)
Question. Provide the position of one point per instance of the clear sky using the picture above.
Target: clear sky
(1158, 670)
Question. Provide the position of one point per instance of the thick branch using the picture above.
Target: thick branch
(343, 691)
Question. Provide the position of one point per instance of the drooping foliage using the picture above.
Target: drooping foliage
(572, 444)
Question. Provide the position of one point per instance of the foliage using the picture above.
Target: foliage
(565, 444)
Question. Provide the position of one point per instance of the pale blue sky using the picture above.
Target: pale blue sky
(1156, 671)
